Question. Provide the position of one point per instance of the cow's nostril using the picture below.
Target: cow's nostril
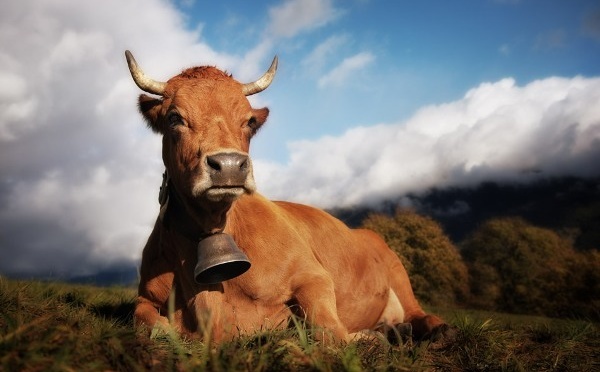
(244, 165)
(213, 163)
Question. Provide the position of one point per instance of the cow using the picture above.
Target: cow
(296, 260)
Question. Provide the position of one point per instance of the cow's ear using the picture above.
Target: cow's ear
(260, 117)
(150, 108)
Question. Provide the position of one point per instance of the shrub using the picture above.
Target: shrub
(517, 267)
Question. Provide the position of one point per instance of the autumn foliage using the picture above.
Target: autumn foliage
(517, 267)
(506, 264)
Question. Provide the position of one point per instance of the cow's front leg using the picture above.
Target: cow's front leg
(316, 298)
(154, 295)
(147, 315)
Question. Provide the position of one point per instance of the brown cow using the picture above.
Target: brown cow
(303, 261)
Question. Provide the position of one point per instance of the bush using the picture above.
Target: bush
(517, 267)
(436, 270)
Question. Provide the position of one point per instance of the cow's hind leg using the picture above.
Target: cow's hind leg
(391, 322)
(424, 326)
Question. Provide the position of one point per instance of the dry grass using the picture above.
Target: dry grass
(59, 327)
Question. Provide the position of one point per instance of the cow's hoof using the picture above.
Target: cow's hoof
(400, 333)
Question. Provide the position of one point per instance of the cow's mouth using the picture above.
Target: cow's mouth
(224, 193)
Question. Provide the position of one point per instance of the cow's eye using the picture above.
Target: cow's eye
(174, 119)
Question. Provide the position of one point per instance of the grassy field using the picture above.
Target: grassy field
(60, 327)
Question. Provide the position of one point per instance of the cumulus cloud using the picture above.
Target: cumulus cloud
(498, 131)
(295, 16)
(79, 169)
(339, 74)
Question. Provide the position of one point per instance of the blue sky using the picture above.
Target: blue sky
(415, 53)
(372, 100)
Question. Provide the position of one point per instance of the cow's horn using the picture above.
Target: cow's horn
(262, 83)
(143, 82)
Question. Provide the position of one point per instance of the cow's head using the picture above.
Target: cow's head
(207, 123)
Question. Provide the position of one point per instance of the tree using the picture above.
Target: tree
(437, 273)
(517, 267)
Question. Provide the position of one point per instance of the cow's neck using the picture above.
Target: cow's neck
(195, 222)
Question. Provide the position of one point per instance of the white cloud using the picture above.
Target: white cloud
(339, 74)
(295, 16)
(498, 131)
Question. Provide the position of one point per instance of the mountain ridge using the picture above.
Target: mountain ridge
(567, 205)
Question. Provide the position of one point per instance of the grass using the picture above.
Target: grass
(60, 327)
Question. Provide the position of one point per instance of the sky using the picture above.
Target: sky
(372, 100)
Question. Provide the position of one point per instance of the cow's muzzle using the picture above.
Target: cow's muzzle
(230, 175)
(219, 259)
(228, 169)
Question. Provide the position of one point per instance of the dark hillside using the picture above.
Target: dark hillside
(569, 206)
